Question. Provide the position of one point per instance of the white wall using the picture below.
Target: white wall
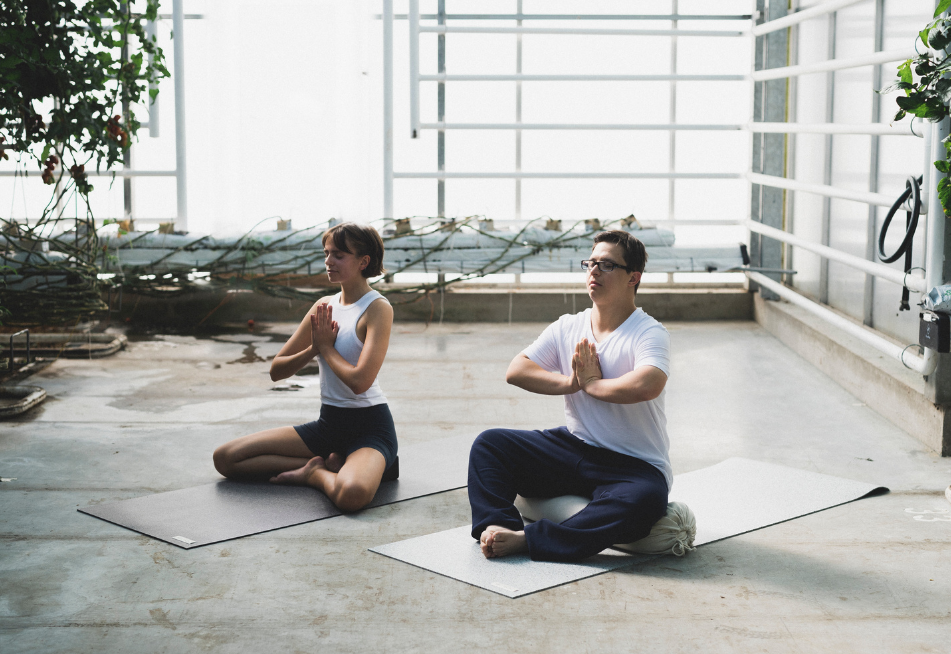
(898, 158)
(284, 118)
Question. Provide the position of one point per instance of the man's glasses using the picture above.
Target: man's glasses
(603, 266)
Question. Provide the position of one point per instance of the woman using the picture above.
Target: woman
(352, 447)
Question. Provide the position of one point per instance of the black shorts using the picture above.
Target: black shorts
(346, 430)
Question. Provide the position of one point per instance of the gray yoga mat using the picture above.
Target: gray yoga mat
(201, 515)
(728, 499)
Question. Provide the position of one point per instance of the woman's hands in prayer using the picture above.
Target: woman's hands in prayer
(585, 366)
(323, 329)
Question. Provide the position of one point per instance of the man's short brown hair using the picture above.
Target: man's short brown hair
(364, 240)
(635, 254)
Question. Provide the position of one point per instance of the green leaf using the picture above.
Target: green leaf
(942, 7)
(904, 72)
(942, 166)
(901, 114)
(923, 35)
(940, 35)
(944, 194)
(932, 109)
(924, 67)
(897, 86)
(911, 102)
(943, 65)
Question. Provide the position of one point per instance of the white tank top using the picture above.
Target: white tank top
(333, 391)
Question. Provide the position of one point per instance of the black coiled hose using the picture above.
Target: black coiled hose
(913, 191)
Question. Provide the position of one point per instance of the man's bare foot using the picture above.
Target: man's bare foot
(301, 476)
(498, 541)
(335, 462)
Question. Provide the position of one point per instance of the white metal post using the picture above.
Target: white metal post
(923, 365)
(518, 119)
(150, 32)
(387, 108)
(831, 65)
(934, 254)
(181, 189)
(414, 68)
(800, 16)
(672, 135)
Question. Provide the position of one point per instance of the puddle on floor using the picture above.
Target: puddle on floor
(250, 355)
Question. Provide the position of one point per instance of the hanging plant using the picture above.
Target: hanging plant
(927, 90)
(67, 70)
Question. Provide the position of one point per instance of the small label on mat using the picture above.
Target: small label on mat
(507, 589)
(187, 541)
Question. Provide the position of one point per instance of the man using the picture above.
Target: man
(611, 363)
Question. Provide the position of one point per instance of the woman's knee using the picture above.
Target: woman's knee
(224, 459)
(353, 495)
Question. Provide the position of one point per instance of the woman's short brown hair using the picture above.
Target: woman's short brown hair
(364, 240)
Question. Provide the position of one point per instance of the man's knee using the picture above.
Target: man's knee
(640, 504)
(490, 440)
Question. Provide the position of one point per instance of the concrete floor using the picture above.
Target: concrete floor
(864, 577)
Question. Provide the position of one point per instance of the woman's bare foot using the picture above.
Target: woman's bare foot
(301, 476)
(499, 541)
(335, 462)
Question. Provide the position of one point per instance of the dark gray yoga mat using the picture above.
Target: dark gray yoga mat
(728, 499)
(201, 515)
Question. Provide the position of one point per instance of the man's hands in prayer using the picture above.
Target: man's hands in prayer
(323, 329)
(585, 366)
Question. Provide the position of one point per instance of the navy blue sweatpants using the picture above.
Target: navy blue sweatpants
(628, 495)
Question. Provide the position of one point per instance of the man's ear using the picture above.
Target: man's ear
(635, 279)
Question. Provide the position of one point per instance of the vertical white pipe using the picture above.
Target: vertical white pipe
(518, 120)
(934, 255)
(751, 168)
(927, 180)
(934, 235)
(414, 68)
(150, 32)
(387, 108)
(672, 119)
(181, 189)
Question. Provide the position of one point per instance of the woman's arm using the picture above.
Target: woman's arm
(528, 375)
(359, 378)
(639, 385)
(297, 351)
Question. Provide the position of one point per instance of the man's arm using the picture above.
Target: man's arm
(640, 385)
(526, 374)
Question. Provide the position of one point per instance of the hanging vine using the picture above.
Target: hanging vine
(237, 265)
(928, 89)
(70, 74)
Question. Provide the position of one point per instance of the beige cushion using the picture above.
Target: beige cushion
(672, 534)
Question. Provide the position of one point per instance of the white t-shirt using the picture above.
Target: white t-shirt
(639, 430)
